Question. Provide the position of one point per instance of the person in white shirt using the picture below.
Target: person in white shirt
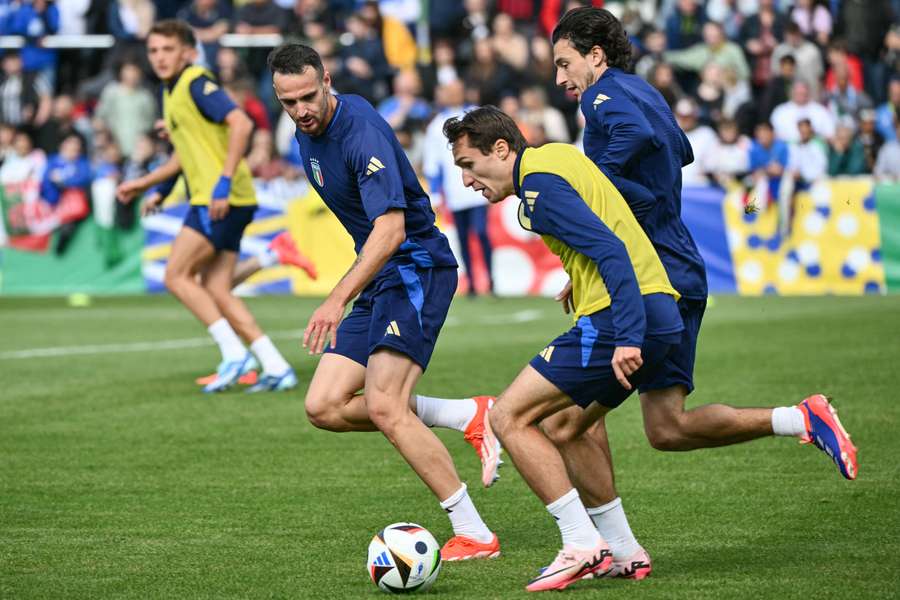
(887, 165)
(807, 163)
(469, 207)
(703, 142)
(786, 116)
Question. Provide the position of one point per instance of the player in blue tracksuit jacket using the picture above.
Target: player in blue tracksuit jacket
(632, 136)
(403, 280)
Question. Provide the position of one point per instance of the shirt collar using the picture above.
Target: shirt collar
(334, 117)
(170, 85)
(516, 167)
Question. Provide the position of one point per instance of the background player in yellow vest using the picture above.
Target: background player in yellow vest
(626, 316)
(210, 135)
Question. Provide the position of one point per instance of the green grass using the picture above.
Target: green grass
(118, 478)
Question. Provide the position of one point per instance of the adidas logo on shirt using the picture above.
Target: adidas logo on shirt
(375, 165)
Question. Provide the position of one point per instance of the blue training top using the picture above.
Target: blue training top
(360, 170)
(632, 136)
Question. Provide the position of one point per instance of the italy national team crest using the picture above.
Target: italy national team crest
(317, 172)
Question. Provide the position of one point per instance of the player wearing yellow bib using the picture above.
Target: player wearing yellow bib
(626, 316)
(209, 134)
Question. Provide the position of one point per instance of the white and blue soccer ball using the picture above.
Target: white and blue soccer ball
(404, 558)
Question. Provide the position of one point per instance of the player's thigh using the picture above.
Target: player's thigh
(391, 377)
(191, 252)
(335, 381)
(528, 400)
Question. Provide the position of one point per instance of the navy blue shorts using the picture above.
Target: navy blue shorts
(678, 367)
(224, 234)
(579, 362)
(403, 309)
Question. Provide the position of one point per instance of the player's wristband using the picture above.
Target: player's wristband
(222, 189)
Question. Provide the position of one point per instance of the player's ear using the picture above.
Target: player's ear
(597, 56)
(501, 149)
(326, 80)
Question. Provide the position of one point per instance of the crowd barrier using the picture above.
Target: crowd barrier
(844, 238)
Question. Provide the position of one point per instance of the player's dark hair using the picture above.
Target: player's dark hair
(587, 27)
(484, 126)
(293, 59)
(175, 28)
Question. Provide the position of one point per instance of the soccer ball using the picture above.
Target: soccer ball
(404, 557)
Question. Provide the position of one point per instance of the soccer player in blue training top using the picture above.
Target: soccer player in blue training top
(626, 316)
(404, 275)
(632, 136)
(209, 134)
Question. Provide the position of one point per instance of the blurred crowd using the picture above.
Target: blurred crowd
(773, 94)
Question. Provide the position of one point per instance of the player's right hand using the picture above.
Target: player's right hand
(625, 361)
(127, 191)
(322, 326)
(565, 296)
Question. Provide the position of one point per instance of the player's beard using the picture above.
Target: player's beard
(319, 122)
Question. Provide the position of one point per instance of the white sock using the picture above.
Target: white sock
(464, 516)
(267, 258)
(230, 344)
(788, 420)
(573, 521)
(441, 412)
(269, 356)
(611, 522)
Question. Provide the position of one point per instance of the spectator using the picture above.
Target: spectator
(366, 69)
(844, 99)
(684, 25)
(536, 113)
(35, 19)
(807, 164)
(709, 95)
(729, 159)
(715, 48)
(25, 98)
(131, 20)
(399, 45)
(864, 24)
(243, 94)
(510, 46)
(871, 140)
(846, 155)
(490, 77)
(839, 58)
(786, 116)
(64, 187)
(759, 36)
(888, 164)
(261, 157)
(702, 138)
(406, 105)
(469, 207)
(107, 173)
(23, 168)
(768, 160)
(663, 79)
(813, 19)
(7, 137)
(260, 16)
(445, 69)
(75, 64)
(654, 49)
(62, 123)
(892, 53)
(210, 20)
(778, 90)
(888, 114)
(542, 73)
(229, 67)
(806, 55)
(126, 108)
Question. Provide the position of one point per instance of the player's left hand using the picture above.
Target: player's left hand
(625, 361)
(565, 296)
(322, 326)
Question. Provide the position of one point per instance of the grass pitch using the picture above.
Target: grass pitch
(119, 479)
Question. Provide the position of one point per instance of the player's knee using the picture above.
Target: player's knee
(386, 411)
(501, 419)
(173, 279)
(323, 412)
(666, 437)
